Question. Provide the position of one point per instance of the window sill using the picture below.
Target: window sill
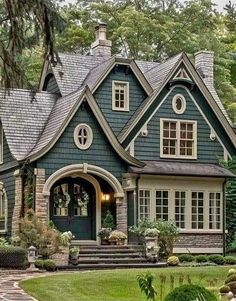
(178, 157)
(3, 231)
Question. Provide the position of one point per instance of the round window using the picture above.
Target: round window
(179, 104)
(83, 136)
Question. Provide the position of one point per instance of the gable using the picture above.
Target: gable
(208, 151)
(65, 152)
(103, 96)
(50, 84)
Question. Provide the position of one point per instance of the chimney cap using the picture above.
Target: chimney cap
(100, 24)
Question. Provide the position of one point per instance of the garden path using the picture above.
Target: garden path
(9, 288)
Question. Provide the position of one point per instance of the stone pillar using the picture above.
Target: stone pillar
(41, 203)
(18, 203)
(121, 215)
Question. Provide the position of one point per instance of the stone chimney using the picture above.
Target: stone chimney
(101, 46)
(204, 63)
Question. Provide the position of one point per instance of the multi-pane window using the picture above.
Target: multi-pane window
(2, 206)
(162, 204)
(197, 210)
(178, 139)
(214, 210)
(61, 200)
(120, 96)
(3, 209)
(144, 204)
(180, 197)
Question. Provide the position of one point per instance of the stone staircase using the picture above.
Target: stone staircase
(93, 257)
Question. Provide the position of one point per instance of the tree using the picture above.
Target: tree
(145, 282)
(23, 25)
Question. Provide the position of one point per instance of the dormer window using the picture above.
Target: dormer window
(120, 96)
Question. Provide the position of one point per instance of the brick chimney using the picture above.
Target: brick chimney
(204, 63)
(101, 46)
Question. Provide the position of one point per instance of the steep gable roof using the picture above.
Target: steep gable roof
(166, 71)
(23, 115)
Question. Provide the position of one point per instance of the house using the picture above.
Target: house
(142, 139)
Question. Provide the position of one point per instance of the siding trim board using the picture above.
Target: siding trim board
(87, 96)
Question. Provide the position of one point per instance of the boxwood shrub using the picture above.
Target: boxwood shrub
(186, 258)
(48, 265)
(217, 259)
(190, 292)
(13, 257)
(201, 258)
(230, 260)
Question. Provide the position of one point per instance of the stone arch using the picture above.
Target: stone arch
(84, 169)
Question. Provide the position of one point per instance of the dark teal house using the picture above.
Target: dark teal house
(142, 139)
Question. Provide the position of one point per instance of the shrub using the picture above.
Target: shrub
(186, 258)
(230, 278)
(117, 235)
(13, 257)
(190, 292)
(224, 289)
(108, 221)
(47, 264)
(35, 233)
(231, 272)
(3, 241)
(151, 232)
(230, 260)
(217, 259)
(201, 258)
(173, 261)
(50, 265)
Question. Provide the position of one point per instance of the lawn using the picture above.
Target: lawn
(118, 285)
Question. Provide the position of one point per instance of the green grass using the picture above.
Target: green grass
(118, 285)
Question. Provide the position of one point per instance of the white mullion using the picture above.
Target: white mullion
(188, 210)
(206, 200)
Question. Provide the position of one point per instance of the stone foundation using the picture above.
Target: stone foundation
(199, 243)
(41, 205)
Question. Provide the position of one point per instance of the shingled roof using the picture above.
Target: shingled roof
(23, 115)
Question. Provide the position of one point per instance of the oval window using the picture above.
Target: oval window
(83, 136)
(179, 104)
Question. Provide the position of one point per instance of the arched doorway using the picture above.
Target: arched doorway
(73, 207)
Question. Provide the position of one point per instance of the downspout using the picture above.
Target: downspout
(224, 217)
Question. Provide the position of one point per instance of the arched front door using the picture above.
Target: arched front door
(73, 207)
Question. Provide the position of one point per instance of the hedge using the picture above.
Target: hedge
(13, 257)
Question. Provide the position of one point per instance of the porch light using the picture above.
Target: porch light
(105, 197)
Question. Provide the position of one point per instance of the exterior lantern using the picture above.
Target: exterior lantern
(105, 197)
(32, 256)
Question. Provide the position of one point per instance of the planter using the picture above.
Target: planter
(152, 248)
(105, 241)
(120, 242)
(74, 259)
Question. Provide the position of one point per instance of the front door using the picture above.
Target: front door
(73, 207)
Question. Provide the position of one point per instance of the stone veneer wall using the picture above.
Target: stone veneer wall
(41, 204)
(18, 203)
(121, 215)
(208, 241)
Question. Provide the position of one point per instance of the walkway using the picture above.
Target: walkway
(9, 289)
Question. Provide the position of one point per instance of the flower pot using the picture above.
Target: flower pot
(120, 242)
(105, 241)
(74, 259)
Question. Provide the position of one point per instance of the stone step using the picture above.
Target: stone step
(112, 260)
(111, 255)
(107, 247)
(103, 266)
(108, 251)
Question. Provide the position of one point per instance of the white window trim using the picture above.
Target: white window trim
(178, 121)
(188, 207)
(183, 109)
(4, 195)
(126, 96)
(89, 139)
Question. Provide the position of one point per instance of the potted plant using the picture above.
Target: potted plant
(152, 249)
(74, 255)
(104, 234)
(117, 237)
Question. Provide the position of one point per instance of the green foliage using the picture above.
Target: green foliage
(201, 258)
(190, 292)
(108, 221)
(33, 232)
(3, 241)
(12, 257)
(224, 289)
(230, 278)
(186, 258)
(48, 265)
(230, 260)
(217, 259)
(173, 261)
(145, 282)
